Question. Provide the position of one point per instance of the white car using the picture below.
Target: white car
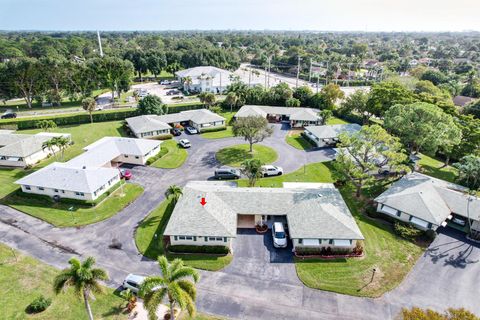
(165, 82)
(191, 130)
(269, 170)
(279, 235)
(185, 143)
(133, 282)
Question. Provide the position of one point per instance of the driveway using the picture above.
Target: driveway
(261, 282)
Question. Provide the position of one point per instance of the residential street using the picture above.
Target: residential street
(258, 284)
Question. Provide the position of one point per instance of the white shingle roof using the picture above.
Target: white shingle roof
(430, 199)
(200, 116)
(24, 145)
(216, 74)
(312, 212)
(333, 131)
(146, 123)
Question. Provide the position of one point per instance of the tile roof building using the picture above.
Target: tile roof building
(297, 117)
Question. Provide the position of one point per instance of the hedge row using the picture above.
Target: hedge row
(69, 119)
(213, 129)
(199, 249)
(173, 108)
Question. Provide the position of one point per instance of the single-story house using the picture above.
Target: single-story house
(297, 117)
(89, 175)
(205, 79)
(316, 214)
(22, 150)
(152, 125)
(327, 135)
(428, 203)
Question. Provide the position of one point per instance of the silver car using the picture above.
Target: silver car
(279, 235)
(133, 282)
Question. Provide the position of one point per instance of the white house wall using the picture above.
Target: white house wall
(199, 241)
(323, 243)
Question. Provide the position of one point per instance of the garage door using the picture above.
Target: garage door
(246, 221)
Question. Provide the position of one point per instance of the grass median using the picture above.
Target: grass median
(171, 155)
(235, 155)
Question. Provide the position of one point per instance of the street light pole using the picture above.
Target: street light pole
(298, 72)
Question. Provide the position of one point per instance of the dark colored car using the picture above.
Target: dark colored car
(176, 132)
(9, 115)
(227, 173)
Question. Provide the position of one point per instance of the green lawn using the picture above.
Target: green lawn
(24, 278)
(296, 140)
(72, 213)
(7, 177)
(149, 240)
(436, 169)
(393, 257)
(173, 155)
(228, 133)
(314, 172)
(334, 120)
(235, 155)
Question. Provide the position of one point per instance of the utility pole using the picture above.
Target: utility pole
(298, 72)
(269, 69)
(266, 77)
(100, 43)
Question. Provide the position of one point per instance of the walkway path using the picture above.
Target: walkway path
(444, 277)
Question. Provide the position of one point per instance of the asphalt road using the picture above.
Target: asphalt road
(260, 283)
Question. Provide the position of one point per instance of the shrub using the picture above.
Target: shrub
(430, 234)
(39, 304)
(163, 151)
(183, 107)
(213, 129)
(406, 231)
(199, 249)
(165, 136)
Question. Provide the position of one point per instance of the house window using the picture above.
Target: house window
(330, 241)
(175, 237)
(126, 156)
(81, 194)
(399, 213)
(41, 188)
(212, 238)
(181, 237)
(300, 241)
(137, 157)
(188, 238)
(56, 190)
(224, 239)
(28, 188)
(206, 239)
(63, 191)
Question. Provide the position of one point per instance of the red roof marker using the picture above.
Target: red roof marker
(203, 202)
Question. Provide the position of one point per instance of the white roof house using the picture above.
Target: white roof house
(314, 211)
(205, 78)
(296, 116)
(152, 125)
(428, 199)
(322, 135)
(24, 149)
(92, 173)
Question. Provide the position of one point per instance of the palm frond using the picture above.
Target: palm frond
(152, 300)
(163, 263)
(189, 288)
(185, 272)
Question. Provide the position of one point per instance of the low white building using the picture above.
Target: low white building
(316, 214)
(327, 135)
(149, 126)
(297, 117)
(205, 79)
(91, 174)
(22, 150)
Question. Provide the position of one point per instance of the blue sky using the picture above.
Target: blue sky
(335, 15)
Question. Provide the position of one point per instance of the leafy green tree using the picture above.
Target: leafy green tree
(173, 67)
(386, 94)
(325, 114)
(139, 60)
(356, 102)
(46, 125)
(303, 93)
(252, 168)
(151, 104)
(83, 278)
(156, 62)
(362, 153)
(241, 90)
(469, 171)
(434, 76)
(24, 79)
(89, 104)
(292, 103)
(50, 145)
(423, 126)
(61, 143)
(113, 73)
(81, 79)
(473, 109)
(174, 192)
(252, 129)
(279, 94)
(231, 99)
(176, 283)
(331, 93)
(470, 143)
(54, 70)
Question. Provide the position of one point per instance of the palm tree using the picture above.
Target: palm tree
(50, 146)
(89, 104)
(175, 283)
(252, 168)
(231, 99)
(187, 81)
(174, 191)
(61, 143)
(83, 278)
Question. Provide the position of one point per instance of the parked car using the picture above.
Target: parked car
(191, 130)
(269, 170)
(226, 173)
(279, 235)
(185, 143)
(176, 132)
(126, 174)
(9, 114)
(172, 92)
(165, 82)
(133, 282)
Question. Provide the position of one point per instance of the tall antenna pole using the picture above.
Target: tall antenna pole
(298, 72)
(310, 71)
(100, 43)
